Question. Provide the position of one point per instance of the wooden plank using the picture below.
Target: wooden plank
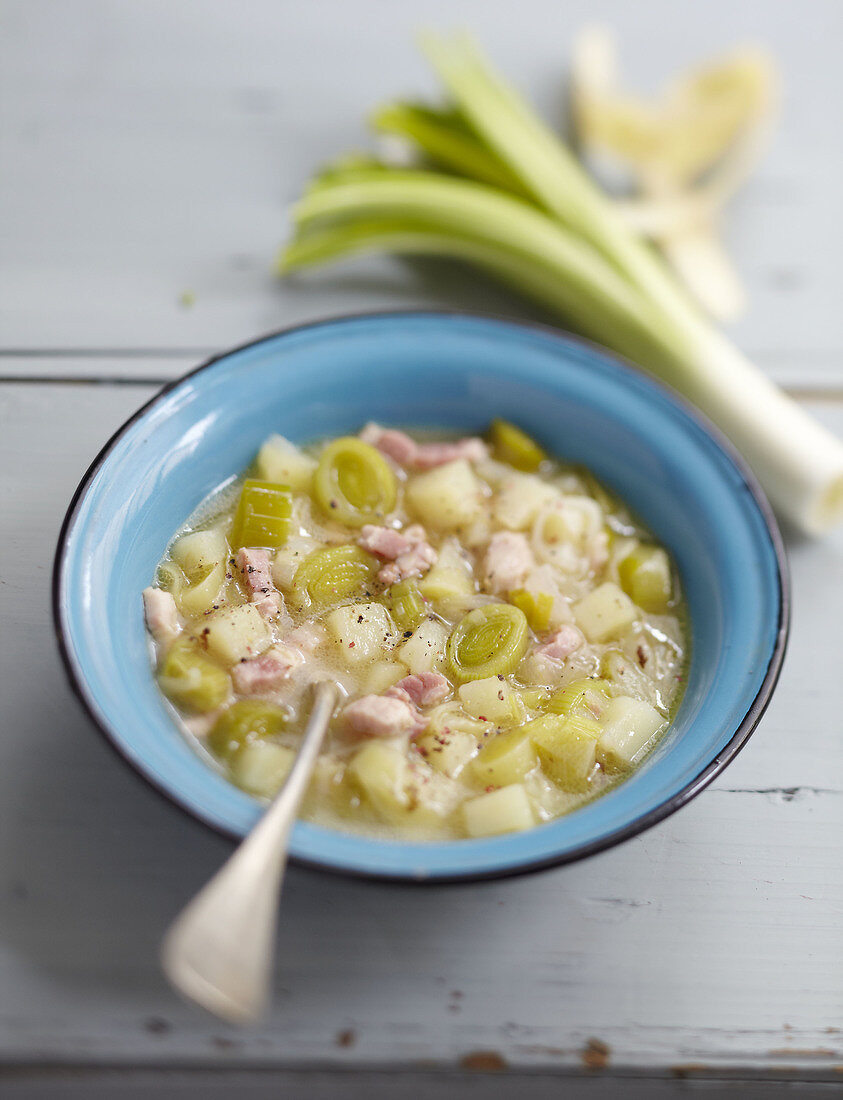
(197, 1084)
(712, 939)
(152, 149)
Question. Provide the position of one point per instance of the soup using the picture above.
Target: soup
(509, 641)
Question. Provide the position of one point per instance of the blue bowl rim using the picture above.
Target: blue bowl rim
(639, 824)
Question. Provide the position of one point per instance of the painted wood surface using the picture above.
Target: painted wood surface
(151, 149)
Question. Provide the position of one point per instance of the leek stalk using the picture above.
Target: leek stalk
(564, 244)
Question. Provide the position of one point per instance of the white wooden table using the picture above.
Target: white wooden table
(150, 149)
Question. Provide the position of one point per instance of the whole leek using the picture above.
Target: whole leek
(504, 193)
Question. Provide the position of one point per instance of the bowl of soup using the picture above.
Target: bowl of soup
(552, 596)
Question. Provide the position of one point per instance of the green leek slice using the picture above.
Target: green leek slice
(338, 573)
(354, 483)
(263, 515)
(405, 604)
(191, 680)
(511, 444)
(244, 721)
(489, 641)
(537, 606)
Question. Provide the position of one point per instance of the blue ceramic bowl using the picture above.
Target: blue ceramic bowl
(451, 371)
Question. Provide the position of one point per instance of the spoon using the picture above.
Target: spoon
(219, 950)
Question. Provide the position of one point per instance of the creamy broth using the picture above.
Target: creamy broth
(508, 639)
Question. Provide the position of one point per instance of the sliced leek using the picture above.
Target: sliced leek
(354, 483)
(489, 641)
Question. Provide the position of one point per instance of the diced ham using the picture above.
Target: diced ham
(307, 637)
(383, 541)
(429, 455)
(271, 605)
(407, 553)
(425, 690)
(162, 616)
(508, 561)
(395, 445)
(257, 571)
(256, 567)
(422, 456)
(565, 641)
(382, 716)
(267, 672)
(412, 563)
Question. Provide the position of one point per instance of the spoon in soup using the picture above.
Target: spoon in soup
(219, 951)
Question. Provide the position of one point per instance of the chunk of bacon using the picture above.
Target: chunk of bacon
(307, 637)
(270, 606)
(383, 541)
(162, 616)
(256, 567)
(267, 672)
(382, 716)
(508, 561)
(426, 689)
(565, 641)
(422, 456)
(257, 571)
(412, 563)
(429, 455)
(407, 553)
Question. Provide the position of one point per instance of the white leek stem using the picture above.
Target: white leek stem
(797, 460)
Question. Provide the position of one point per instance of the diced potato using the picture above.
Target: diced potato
(477, 533)
(398, 792)
(492, 699)
(381, 675)
(567, 748)
(425, 650)
(448, 752)
(362, 631)
(198, 551)
(284, 463)
(505, 811)
(628, 725)
(261, 767)
(445, 497)
(289, 558)
(235, 633)
(379, 771)
(505, 758)
(328, 789)
(450, 582)
(520, 499)
(450, 716)
(604, 613)
(645, 576)
(570, 519)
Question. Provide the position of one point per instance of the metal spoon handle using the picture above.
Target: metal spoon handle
(219, 951)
